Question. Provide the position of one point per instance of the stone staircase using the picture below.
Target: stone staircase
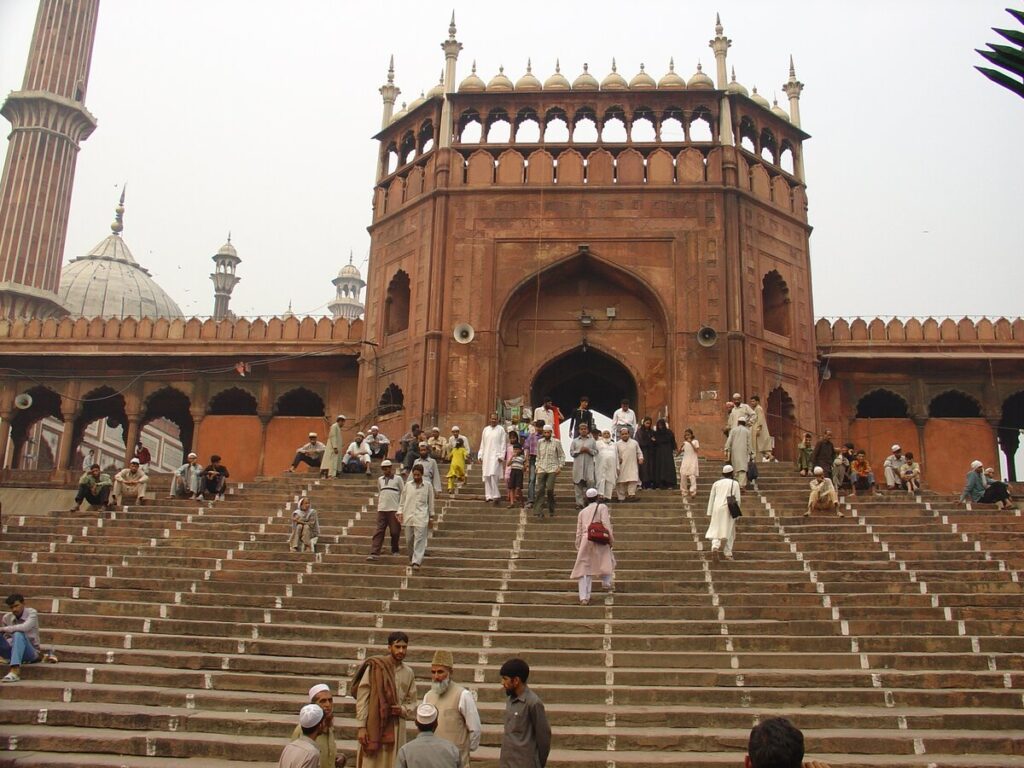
(188, 634)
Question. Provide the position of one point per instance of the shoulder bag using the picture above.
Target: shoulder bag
(596, 531)
(734, 504)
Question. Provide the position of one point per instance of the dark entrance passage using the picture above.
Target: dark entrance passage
(584, 371)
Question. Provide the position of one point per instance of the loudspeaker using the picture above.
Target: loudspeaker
(463, 333)
(23, 401)
(707, 336)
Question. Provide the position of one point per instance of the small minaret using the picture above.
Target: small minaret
(348, 286)
(389, 92)
(451, 48)
(224, 279)
(792, 88)
(720, 45)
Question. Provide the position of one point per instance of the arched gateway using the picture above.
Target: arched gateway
(584, 371)
(584, 326)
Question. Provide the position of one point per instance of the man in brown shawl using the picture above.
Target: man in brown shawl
(385, 690)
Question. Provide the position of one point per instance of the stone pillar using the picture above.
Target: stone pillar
(5, 435)
(265, 418)
(132, 438)
(68, 411)
(197, 419)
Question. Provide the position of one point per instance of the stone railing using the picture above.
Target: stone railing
(272, 329)
(929, 330)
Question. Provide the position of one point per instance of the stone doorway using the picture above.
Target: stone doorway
(584, 371)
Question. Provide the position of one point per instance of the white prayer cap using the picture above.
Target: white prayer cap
(134, 461)
(547, 428)
(360, 434)
(318, 688)
(312, 434)
(386, 463)
(423, 445)
(426, 714)
(591, 493)
(989, 471)
(727, 469)
(455, 429)
(741, 420)
(895, 447)
(435, 429)
(819, 471)
(310, 715)
(193, 455)
(737, 394)
(340, 416)
(374, 428)
(975, 464)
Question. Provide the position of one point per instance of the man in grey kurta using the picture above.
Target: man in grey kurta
(583, 450)
(739, 450)
(526, 740)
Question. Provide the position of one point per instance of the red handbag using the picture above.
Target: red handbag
(596, 531)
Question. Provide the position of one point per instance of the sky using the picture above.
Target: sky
(256, 118)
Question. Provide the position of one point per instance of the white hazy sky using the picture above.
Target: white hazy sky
(256, 117)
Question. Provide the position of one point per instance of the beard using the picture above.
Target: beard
(510, 692)
(440, 687)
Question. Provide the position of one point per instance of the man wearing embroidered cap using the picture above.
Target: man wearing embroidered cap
(303, 752)
(458, 720)
(378, 443)
(320, 695)
(427, 750)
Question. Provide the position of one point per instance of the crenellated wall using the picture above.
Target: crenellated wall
(897, 331)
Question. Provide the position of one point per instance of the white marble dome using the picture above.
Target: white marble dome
(108, 282)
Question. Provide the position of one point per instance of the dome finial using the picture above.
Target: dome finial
(718, 24)
(529, 65)
(613, 65)
(350, 250)
(558, 65)
(229, 235)
(672, 64)
(391, 70)
(734, 74)
(792, 69)
(118, 226)
(451, 27)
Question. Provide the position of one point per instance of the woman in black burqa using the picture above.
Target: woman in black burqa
(664, 475)
(645, 437)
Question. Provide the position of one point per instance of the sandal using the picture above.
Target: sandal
(10, 677)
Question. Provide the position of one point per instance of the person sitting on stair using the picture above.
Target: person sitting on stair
(94, 489)
(823, 496)
(131, 479)
(19, 638)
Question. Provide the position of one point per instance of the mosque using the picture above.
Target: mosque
(642, 237)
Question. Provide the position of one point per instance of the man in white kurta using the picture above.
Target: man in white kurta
(607, 465)
(738, 449)
(759, 430)
(493, 442)
(630, 459)
(333, 449)
(722, 528)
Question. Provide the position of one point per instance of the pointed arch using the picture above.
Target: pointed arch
(882, 404)
(775, 304)
(392, 399)
(954, 404)
(396, 304)
(299, 402)
(233, 401)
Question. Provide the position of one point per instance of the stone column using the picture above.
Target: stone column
(133, 435)
(265, 418)
(197, 419)
(68, 411)
(5, 435)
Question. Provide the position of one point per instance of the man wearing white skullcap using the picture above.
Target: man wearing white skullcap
(722, 529)
(893, 467)
(320, 695)
(303, 752)
(974, 488)
(740, 410)
(187, 479)
(427, 750)
(456, 434)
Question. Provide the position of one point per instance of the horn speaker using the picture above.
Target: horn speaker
(463, 333)
(707, 336)
(23, 401)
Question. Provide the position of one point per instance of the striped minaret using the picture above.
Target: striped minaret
(48, 120)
